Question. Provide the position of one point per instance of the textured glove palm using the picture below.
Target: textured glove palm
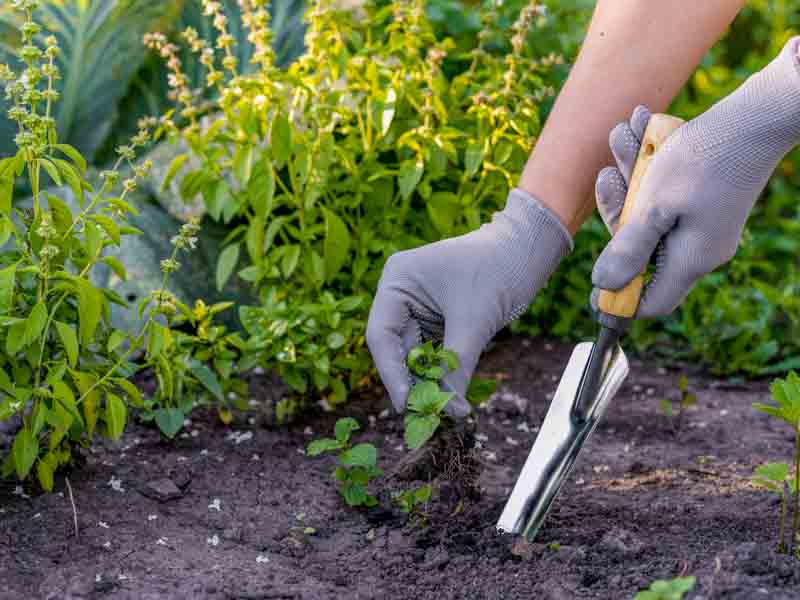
(463, 290)
(700, 188)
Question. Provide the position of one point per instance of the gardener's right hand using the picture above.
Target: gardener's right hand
(462, 290)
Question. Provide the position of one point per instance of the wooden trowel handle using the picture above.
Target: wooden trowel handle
(624, 302)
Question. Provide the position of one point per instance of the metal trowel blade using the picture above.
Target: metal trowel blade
(559, 442)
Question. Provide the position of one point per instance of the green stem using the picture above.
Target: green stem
(796, 515)
(782, 533)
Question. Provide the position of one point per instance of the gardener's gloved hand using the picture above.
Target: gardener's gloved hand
(700, 187)
(464, 289)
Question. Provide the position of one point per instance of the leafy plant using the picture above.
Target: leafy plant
(671, 589)
(356, 463)
(426, 401)
(774, 477)
(409, 501)
(786, 393)
(63, 367)
(687, 399)
(376, 140)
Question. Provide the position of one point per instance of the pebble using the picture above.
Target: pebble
(162, 490)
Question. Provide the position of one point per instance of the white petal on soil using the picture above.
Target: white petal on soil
(216, 504)
(213, 540)
(262, 559)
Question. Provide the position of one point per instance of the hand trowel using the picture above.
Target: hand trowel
(592, 377)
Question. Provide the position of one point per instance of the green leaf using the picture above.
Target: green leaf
(281, 138)
(410, 176)
(243, 163)
(44, 473)
(7, 283)
(419, 429)
(354, 493)
(115, 340)
(73, 155)
(480, 390)
(69, 340)
(174, 167)
(34, 324)
(133, 393)
(228, 259)
(291, 257)
(336, 340)
(52, 170)
(388, 111)
(776, 472)
(209, 380)
(91, 400)
(473, 158)
(63, 393)
(169, 421)
(24, 452)
(666, 408)
(116, 415)
(361, 455)
(426, 398)
(109, 226)
(90, 305)
(6, 194)
(444, 210)
(318, 447)
(337, 244)
(344, 429)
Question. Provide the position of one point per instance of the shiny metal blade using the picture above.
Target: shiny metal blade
(559, 441)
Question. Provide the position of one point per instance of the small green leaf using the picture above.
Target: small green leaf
(209, 380)
(63, 393)
(169, 421)
(336, 340)
(73, 155)
(34, 325)
(361, 455)
(354, 493)
(480, 390)
(228, 259)
(473, 158)
(7, 283)
(70, 341)
(419, 429)
(666, 407)
(337, 245)
(90, 304)
(174, 167)
(116, 266)
(776, 472)
(426, 398)
(344, 429)
(24, 451)
(44, 473)
(317, 447)
(409, 177)
(116, 415)
(281, 138)
(115, 340)
(6, 194)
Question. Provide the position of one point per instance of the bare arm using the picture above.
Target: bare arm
(636, 52)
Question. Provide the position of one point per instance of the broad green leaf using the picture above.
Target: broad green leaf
(209, 380)
(419, 429)
(361, 455)
(354, 493)
(116, 414)
(317, 447)
(255, 239)
(109, 226)
(174, 167)
(7, 283)
(133, 393)
(63, 393)
(426, 398)
(90, 400)
(473, 158)
(169, 421)
(291, 257)
(281, 138)
(261, 198)
(35, 323)
(6, 194)
(337, 244)
(24, 451)
(75, 156)
(444, 210)
(480, 390)
(776, 472)
(5, 382)
(52, 170)
(44, 473)
(90, 305)
(228, 259)
(15, 338)
(243, 163)
(115, 340)
(70, 341)
(388, 111)
(344, 428)
(410, 176)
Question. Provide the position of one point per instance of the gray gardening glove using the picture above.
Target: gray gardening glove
(464, 290)
(700, 188)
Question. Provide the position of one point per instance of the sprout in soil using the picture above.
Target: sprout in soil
(670, 589)
(411, 500)
(356, 463)
(687, 399)
(786, 393)
(774, 477)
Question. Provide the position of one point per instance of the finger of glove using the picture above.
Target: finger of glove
(639, 121)
(463, 338)
(674, 277)
(389, 331)
(626, 255)
(610, 191)
(625, 147)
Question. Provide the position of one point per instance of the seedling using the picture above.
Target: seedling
(671, 589)
(409, 501)
(774, 477)
(356, 463)
(786, 392)
(687, 399)
(426, 400)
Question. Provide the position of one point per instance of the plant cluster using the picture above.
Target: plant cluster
(776, 476)
(410, 501)
(686, 400)
(357, 464)
(668, 589)
(379, 138)
(426, 401)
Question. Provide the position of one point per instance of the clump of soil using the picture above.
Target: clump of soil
(449, 461)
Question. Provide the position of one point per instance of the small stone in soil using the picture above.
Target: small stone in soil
(162, 490)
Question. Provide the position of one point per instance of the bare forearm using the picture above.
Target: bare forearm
(636, 52)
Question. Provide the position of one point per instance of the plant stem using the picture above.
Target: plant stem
(782, 533)
(796, 514)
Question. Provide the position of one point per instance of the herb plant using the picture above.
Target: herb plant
(786, 393)
(687, 399)
(774, 477)
(671, 589)
(426, 401)
(411, 500)
(356, 463)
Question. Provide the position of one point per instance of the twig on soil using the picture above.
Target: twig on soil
(72, 502)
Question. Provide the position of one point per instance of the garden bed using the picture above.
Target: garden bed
(240, 512)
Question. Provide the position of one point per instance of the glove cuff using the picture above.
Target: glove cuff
(539, 220)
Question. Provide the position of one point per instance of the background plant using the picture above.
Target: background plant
(670, 589)
(685, 400)
(786, 393)
(774, 477)
(356, 463)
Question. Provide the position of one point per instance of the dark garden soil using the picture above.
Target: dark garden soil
(239, 512)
